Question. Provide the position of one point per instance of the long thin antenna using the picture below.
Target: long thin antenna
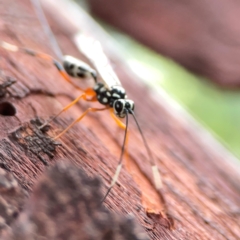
(119, 167)
(45, 25)
(156, 173)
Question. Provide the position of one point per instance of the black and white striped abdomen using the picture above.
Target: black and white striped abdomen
(78, 69)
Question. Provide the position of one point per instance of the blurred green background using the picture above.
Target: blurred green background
(216, 109)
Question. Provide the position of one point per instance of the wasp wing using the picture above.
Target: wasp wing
(92, 49)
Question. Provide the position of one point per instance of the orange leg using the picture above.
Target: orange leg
(79, 119)
(88, 95)
(117, 120)
(122, 126)
(120, 163)
(14, 48)
(83, 96)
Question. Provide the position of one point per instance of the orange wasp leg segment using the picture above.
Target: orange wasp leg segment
(14, 48)
(88, 92)
(117, 120)
(79, 119)
(122, 126)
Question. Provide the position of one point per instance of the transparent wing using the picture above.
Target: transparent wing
(92, 49)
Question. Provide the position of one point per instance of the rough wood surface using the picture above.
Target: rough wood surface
(65, 205)
(200, 178)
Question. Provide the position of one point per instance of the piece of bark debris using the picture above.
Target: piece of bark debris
(34, 141)
(5, 83)
(66, 204)
(12, 198)
(159, 219)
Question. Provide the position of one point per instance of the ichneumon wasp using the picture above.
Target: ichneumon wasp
(109, 92)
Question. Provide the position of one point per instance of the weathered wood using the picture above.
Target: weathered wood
(65, 205)
(200, 180)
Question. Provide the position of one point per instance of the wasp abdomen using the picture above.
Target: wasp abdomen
(78, 69)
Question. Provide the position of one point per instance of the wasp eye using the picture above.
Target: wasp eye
(118, 106)
(129, 104)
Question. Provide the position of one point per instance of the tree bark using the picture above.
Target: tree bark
(201, 194)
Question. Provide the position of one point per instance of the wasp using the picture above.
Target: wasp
(108, 91)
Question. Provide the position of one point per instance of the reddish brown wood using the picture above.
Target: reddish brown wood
(200, 182)
(65, 205)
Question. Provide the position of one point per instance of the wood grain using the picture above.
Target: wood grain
(200, 178)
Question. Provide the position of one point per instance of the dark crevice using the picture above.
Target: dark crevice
(7, 109)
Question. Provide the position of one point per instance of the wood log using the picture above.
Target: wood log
(201, 194)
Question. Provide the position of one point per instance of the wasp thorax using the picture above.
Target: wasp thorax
(103, 94)
(122, 106)
(108, 96)
(118, 92)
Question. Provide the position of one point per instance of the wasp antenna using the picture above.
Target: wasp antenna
(45, 25)
(119, 166)
(155, 171)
